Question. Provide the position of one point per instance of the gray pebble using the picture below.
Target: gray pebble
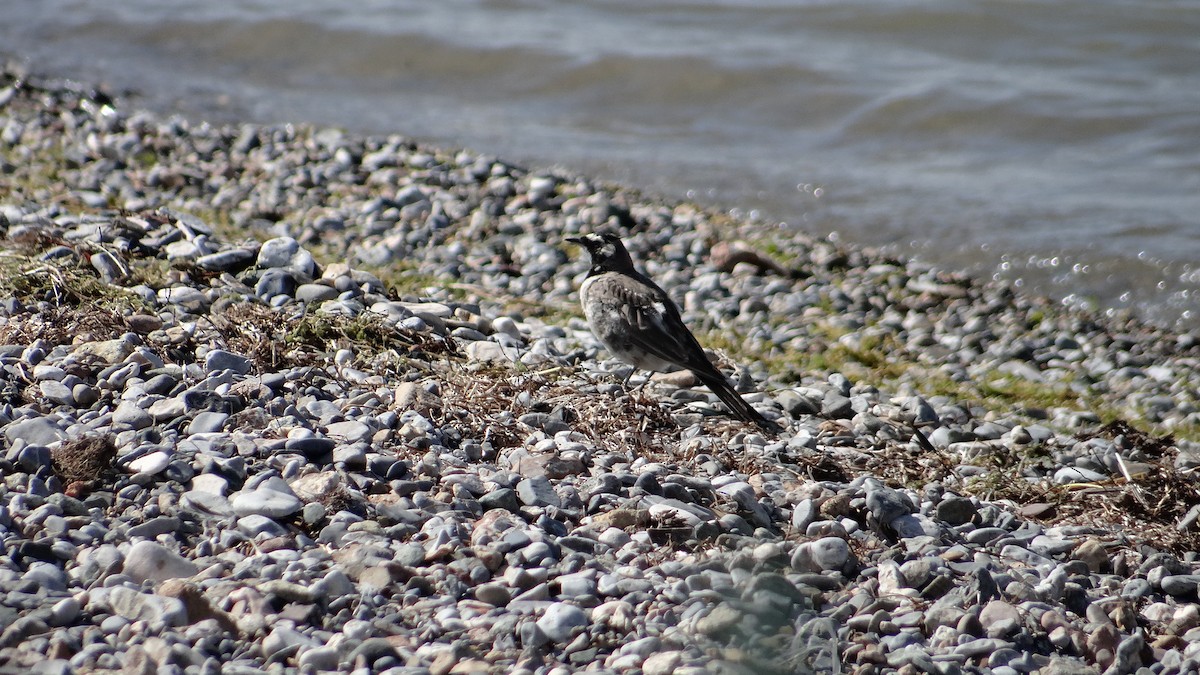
(136, 606)
(537, 491)
(35, 431)
(315, 293)
(720, 622)
(956, 511)
(312, 446)
(207, 422)
(560, 621)
(1180, 585)
(502, 498)
(154, 527)
(33, 458)
(57, 392)
(149, 561)
(218, 360)
(65, 612)
(318, 658)
(825, 554)
(228, 260)
(493, 593)
(283, 641)
(255, 525)
(167, 409)
(129, 415)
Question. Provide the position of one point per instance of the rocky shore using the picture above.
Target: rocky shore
(289, 399)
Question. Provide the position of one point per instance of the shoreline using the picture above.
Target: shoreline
(354, 419)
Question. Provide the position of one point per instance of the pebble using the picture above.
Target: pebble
(493, 594)
(35, 431)
(152, 463)
(956, 511)
(57, 393)
(208, 422)
(129, 415)
(34, 458)
(503, 498)
(150, 561)
(825, 554)
(133, 605)
(720, 621)
(537, 491)
(1180, 585)
(65, 611)
(662, 663)
(887, 505)
(318, 658)
(560, 621)
(220, 359)
(265, 502)
(282, 642)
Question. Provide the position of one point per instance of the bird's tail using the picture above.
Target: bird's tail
(736, 404)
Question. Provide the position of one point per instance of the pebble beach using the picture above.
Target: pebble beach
(281, 399)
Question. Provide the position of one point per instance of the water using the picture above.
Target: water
(1055, 143)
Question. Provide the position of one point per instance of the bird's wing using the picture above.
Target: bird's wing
(657, 326)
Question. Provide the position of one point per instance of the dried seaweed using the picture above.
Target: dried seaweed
(273, 339)
(1142, 508)
(83, 464)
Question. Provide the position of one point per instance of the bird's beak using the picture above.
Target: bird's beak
(576, 240)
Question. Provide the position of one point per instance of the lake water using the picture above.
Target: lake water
(1055, 143)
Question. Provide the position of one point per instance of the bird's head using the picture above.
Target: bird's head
(605, 249)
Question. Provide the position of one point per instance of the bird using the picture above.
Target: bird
(638, 322)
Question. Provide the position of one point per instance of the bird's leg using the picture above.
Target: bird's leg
(625, 383)
(625, 380)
